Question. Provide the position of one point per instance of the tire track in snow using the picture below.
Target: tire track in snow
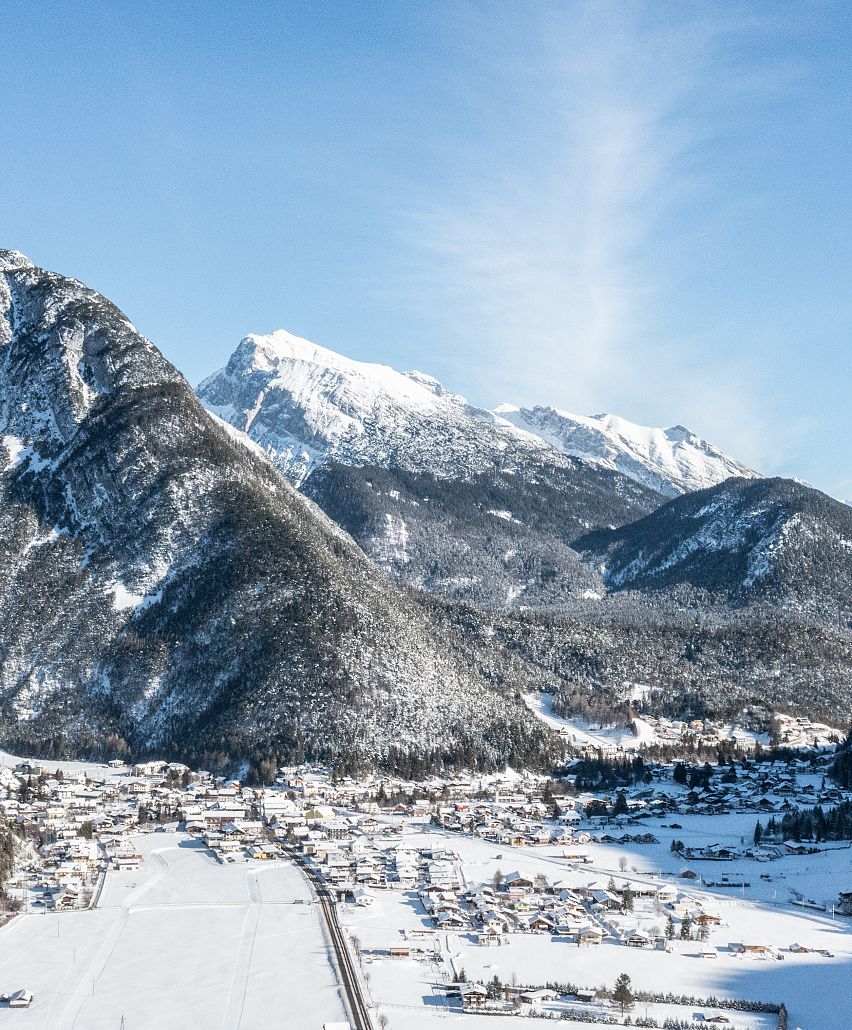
(242, 964)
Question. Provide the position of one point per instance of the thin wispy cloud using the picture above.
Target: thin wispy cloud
(553, 241)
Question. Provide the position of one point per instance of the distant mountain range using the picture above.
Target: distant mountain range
(671, 461)
(308, 406)
(615, 552)
(341, 562)
(467, 503)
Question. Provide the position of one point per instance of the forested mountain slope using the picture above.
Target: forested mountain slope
(164, 589)
(744, 540)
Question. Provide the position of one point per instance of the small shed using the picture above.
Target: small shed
(21, 999)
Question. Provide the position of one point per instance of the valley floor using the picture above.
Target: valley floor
(185, 940)
(180, 942)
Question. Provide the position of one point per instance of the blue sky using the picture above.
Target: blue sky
(608, 207)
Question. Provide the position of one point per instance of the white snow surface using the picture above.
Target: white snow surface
(12, 259)
(672, 460)
(181, 942)
(579, 734)
(810, 984)
(303, 404)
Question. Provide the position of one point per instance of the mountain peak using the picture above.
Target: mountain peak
(282, 345)
(159, 581)
(307, 403)
(12, 259)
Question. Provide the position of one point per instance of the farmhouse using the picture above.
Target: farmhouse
(538, 996)
(472, 994)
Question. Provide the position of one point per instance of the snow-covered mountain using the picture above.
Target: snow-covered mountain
(442, 495)
(468, 503)
(164, 588)
(744, 540)
(307, 405)
(671, 461)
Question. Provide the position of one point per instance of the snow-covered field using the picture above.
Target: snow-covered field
(181, 942)
(580, 735)
(184, 941)
(93, 769)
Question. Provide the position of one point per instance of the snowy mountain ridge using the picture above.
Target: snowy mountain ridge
(744, 539)
(165, 589)
(415, 473)
(306, 404)
(672, 461)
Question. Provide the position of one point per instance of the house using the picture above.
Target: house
(516, 880)
(638, 939)
(66, 900)
(127, 861)
(472, 995)
(738, 948)
(576, 855)
(539, 924)
(604, 898)
(262, 852)
(538, 996)
(797, 847)
(449, 921)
